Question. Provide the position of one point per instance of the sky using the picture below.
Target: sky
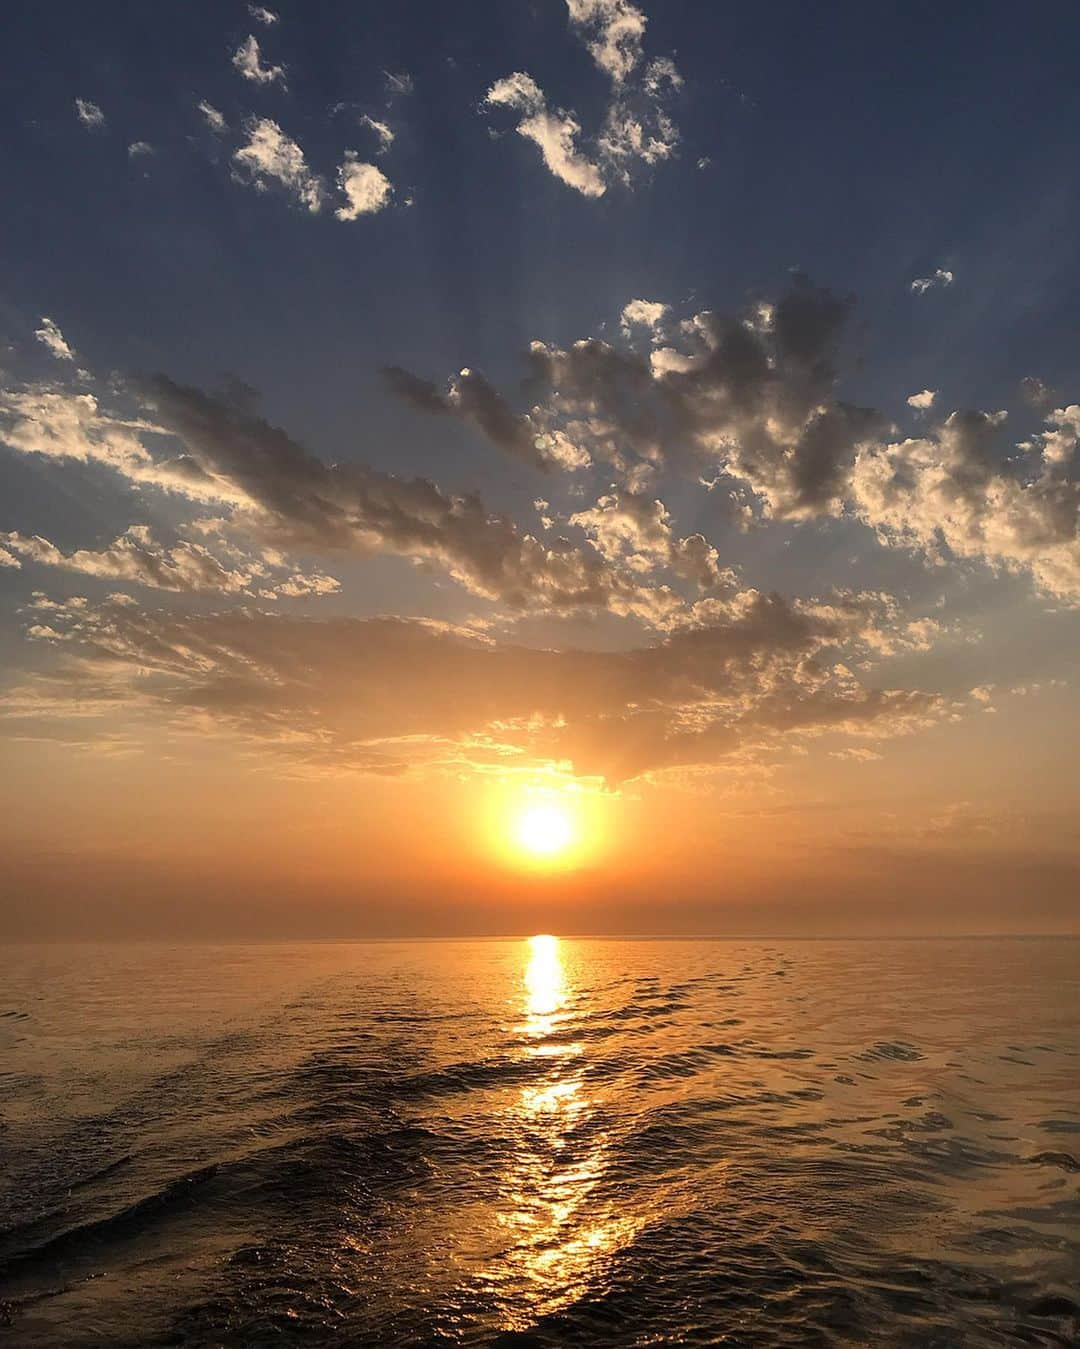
(661, 417)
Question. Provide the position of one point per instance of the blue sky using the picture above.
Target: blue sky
(909, 165)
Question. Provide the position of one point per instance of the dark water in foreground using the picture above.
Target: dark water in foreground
(585, 1142)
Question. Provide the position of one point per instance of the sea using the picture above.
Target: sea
(541, 1141)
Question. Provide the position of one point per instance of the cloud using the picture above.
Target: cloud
(381, 130)
(280, 495)
(248, 61)
(613, 31)
(366, 188)
(636, 128)
(186, 567)
(138, 149)
(643, 313)
(471, 399)
(384, 695)
(752, 396)
(632, 528)
(271, 155)
(49, 335)
(554, 132)
(214, 120)
(261, 15)
(949, 493)
(922, 284)
(400, 84)
(89, 114)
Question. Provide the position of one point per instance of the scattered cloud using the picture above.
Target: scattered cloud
(139, 149)
(270, 155)
(644, 314)
(922, 284)
(387, 695)
(950, 494)
(262, 15)
(636, 530)
(365, 187)
(213, 119)
(922, 402)
(89, 114)
(248, 61)
(399, 84)
(471, 399)
(384, 133)
(553, 131)
(186, 567)
(281, 496)
(636, 128)
(613, 32)
(753, 398)
(49, 335)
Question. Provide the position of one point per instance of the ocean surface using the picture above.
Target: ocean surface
(541, 1142)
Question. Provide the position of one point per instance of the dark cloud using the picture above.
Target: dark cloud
(386, 694)
(472, 399)
(293, 499)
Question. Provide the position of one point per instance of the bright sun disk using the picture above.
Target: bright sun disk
(544, 830)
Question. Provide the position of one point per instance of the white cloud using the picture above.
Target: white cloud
(366, 188)
(214, 120)
(921, 402)
(248, 61)
(261, 15)
(89, 114)
(384, 132)
(941, 277)
(948, 494)
(554, 132)
(613, 31)
(270, 154)
(643, 313)
(636, 128)
(187, 567)
(636, 529)
(49, 335)
(139, 148)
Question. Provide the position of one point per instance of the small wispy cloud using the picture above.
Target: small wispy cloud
(89, 114)
(553, 131)
(398, 83)
(636, 128)
(213, 119)
(262, 15)
(49, 335)
(921, 402)
(270, 155)
(382, 130)
(137, 149)
(941, 277)
(248, 61)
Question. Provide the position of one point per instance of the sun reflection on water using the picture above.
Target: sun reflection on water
(561, 1232)
(545, 982)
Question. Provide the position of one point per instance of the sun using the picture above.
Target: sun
(544, 830)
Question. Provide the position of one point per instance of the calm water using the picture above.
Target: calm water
(583, 1142)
